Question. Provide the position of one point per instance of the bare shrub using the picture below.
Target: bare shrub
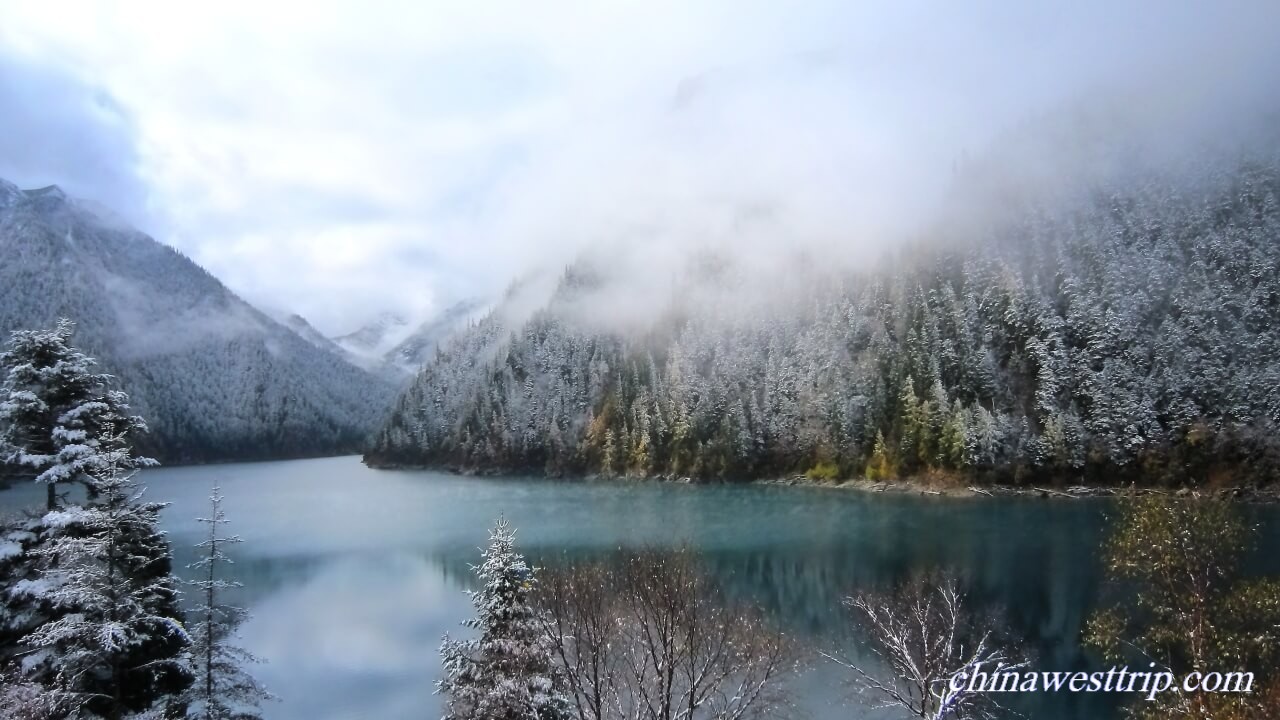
(923, 634)
(652, 639)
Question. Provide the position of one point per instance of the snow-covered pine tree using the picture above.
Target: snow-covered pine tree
(507, 673)
(114, 642)
(223, 689)
(54, 416)
(54, 408)
(1136, 328)
(21, 699)
(20, 611)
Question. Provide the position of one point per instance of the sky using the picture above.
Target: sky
(343, 159)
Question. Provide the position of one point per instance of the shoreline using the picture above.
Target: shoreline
(921, 485)
(911, 486)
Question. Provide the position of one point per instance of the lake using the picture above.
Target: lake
(353, 575)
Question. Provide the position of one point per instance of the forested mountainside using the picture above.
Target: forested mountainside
(419, 347)
(215, 378)
(1132, 334)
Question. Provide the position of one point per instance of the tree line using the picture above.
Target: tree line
(90, 623)
(90, 620)
(216, 379)
(1126, 335)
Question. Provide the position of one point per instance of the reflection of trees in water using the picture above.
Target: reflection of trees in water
(1046, 584)
(260, 576)
(1045, 590)
(1044, 598)
(1036, 561)
(1043, 571)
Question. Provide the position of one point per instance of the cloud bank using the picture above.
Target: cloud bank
(339, 160)
(59, 129)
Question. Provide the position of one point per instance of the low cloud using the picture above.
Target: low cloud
(350, 159)
(57, 128)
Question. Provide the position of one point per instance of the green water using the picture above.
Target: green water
(353, 575)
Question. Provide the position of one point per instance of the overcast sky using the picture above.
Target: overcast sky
(339, 160)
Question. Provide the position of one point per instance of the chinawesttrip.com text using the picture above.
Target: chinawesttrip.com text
(1150, 681)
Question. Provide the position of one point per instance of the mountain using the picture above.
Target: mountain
(215, 378)
(305, 330)
(369, 345)
(419, 347)
(1123, 330)
(394, 347)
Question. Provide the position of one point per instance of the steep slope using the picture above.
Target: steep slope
(215, 378)
(1128, 332)
(416, 350)
(393, 346)
(305, 330)
(368, 346)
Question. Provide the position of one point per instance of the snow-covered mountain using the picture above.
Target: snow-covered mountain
(395, 347)
(216, 378)
(369, 345)
(305, 330)
(419, 347)
(1127, 332)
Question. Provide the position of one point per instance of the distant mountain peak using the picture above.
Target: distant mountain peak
(396, 346)
(46, 199)
(49, 191)
(305, 330)
(215, 378)
(9, 193)
(418, 347)
(372, 341)
(389, 319)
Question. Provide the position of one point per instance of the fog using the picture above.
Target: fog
(342, 161)
(57, 129)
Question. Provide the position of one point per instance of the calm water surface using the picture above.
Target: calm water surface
(353, 575)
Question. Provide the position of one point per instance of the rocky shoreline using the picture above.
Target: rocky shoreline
(919, 487)
(915, 486)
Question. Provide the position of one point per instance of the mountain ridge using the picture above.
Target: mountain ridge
(216, 378)
(1127, 336)
(394, 346)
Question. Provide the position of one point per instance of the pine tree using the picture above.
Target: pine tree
(1119, 337)
(608, 453)
(54, 408)
(880, 466)
(982, 443)
(22, 605)
(223, 689)
(951, 441)
(55, 418)
(508, 673)
(113, 644)
(938, 416)
(21, 699)
(913, 426)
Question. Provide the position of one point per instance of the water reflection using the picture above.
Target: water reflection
(354, 575)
